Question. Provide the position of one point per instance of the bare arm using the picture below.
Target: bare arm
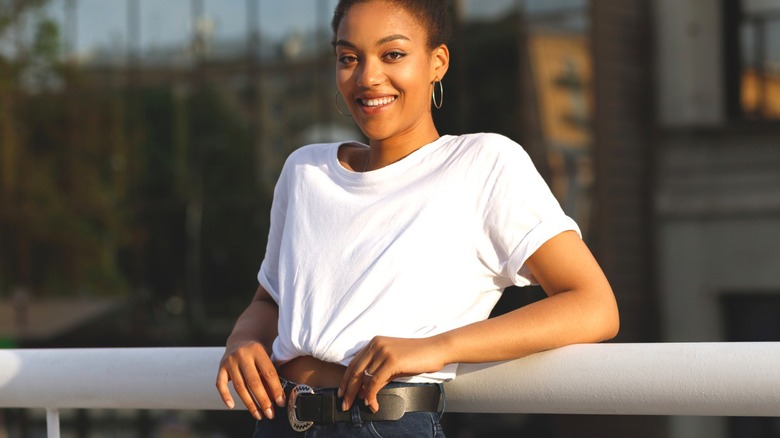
(580, 308)
(247, 361)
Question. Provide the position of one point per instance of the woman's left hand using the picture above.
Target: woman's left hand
(385, 359)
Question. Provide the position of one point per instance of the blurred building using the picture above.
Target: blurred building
(656, 123)
(717, 181)
(684, 144)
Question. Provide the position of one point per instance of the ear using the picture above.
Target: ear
(441, 62)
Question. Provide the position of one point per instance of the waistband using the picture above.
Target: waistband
(307, 406)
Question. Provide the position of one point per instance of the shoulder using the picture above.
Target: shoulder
(310, 156)
(311, 152)
(488, 141)
(491, 148)
(487, 138)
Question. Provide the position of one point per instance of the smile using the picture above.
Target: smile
(380, 101)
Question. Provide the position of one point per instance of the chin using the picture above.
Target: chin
(375, 134)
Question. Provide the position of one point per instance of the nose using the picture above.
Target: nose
(370, 73)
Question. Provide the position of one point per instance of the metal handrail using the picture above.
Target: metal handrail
(712, 379)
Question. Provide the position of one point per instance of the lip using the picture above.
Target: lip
(375, 102)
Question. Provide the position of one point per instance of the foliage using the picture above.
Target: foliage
(97, 175)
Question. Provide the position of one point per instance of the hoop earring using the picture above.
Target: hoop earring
(336, 102)
(438, 104)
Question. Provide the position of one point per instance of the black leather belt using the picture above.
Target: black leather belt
(305, 407)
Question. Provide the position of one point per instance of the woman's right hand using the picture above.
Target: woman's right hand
(254, 378)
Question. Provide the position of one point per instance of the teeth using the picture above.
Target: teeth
(378, 102)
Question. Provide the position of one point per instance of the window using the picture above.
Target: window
(752, 317)
(752, 31)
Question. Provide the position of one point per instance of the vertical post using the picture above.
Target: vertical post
(133, 34)
(323, 99)
(71, 30)
(52, 423)
(199, 34)
(193, 293)
(759, 65)
(263, 177)
(458, 23)
(528, 101)
(731, 11)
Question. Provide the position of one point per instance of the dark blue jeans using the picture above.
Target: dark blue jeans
(412, 424)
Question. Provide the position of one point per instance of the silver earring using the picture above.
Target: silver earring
(438, 104)
(336, 102)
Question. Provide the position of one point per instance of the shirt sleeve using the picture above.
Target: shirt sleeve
(268, 276)
(521, 213)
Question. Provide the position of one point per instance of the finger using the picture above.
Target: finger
(353, 383)
(370, 398)
(273, 385)
(256, 393)
(367, 377)
(246, 397)
(353, 380)
(345, 379)
(350, 371)
(250, 389)
(372, 385)
(222, 388)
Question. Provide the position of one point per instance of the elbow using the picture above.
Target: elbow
(612, 329)
(601, 318)
(609, 322)
(607, 314)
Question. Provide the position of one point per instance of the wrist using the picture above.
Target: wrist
(444, 347)
(235, 341)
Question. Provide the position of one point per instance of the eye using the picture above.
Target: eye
(347, 59)
(395, 55)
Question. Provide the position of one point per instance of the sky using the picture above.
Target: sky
(103, 23)
(166, 23)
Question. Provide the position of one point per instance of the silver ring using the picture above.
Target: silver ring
(365, 371)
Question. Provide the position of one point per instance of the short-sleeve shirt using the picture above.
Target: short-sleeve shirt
(419, 247)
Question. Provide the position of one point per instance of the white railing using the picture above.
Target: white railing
(720, 379)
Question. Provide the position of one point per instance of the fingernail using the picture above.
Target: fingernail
(344, 405)
(373, 409)
(280, 401)
(269, 413)
(257, 415)
(230, 404)
(340, 393)
(365, 402)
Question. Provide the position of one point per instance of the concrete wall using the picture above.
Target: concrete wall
(717, 189)
(702, 259)
(717, 205)
(689, 73)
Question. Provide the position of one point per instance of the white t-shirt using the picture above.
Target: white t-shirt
(414, 249)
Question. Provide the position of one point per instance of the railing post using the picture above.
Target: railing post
(53, 423)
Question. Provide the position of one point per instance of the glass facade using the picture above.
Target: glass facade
(760, 49)
(122, 78)
(140, 141)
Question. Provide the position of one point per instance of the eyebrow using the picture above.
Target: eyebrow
(381, 41)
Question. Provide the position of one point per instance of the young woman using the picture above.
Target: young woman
(384, 260)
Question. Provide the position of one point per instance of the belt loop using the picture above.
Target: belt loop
(357, 421)
(443, 400)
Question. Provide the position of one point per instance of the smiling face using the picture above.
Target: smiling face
(385, 71)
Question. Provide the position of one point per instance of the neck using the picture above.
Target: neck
(388, 151)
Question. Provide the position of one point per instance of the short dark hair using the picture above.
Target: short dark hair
(434, 15)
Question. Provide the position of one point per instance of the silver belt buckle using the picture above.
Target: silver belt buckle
(298, 425)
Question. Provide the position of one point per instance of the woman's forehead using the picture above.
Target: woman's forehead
(380, 20)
